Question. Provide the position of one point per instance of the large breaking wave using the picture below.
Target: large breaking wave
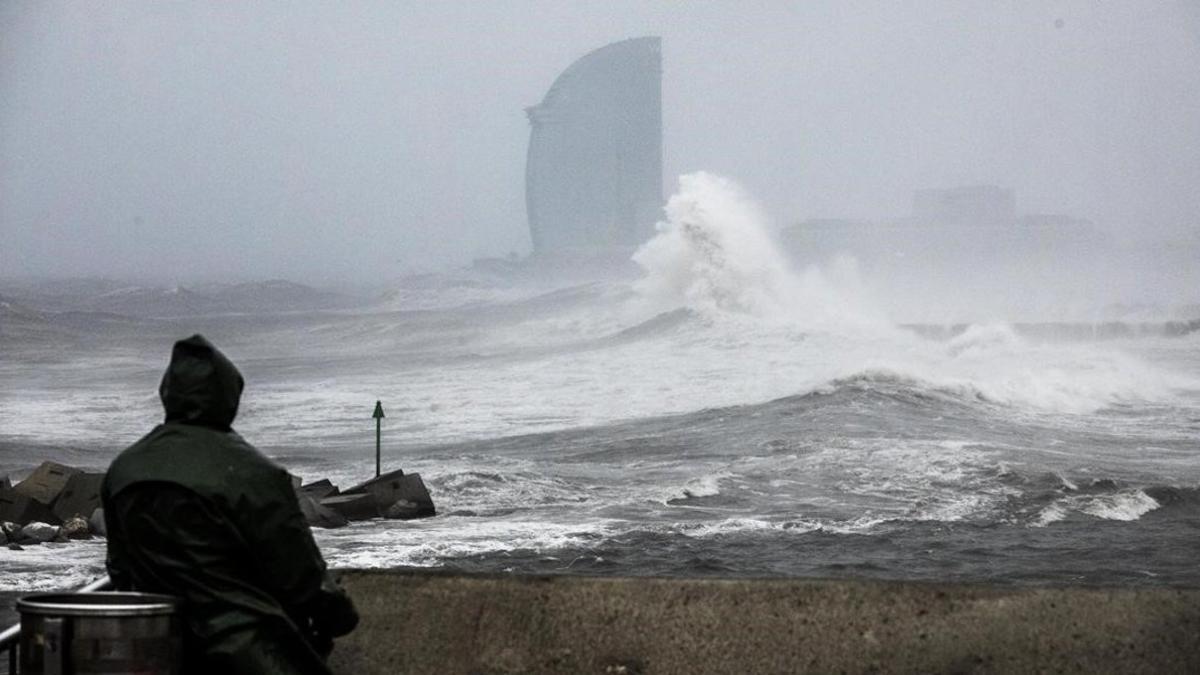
(714, 255)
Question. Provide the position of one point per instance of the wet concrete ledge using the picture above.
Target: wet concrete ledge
(418, 622)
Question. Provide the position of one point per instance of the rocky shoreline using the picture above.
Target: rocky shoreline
(54, 503)
(60, 503)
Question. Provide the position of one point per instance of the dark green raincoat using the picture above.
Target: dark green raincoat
(196, 512)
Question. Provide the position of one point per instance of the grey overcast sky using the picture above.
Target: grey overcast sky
(356, 140)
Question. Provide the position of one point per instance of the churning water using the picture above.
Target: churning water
(722, 414)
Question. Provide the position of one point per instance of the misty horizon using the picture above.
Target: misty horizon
(187, 143)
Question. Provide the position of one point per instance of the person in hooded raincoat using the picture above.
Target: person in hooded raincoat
(195, 511)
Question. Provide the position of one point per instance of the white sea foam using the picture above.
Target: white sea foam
(1051, 514)
(52, 567)
(728, 526)
(712, 253)
(446, 292)
(985, 339)
(1125, 505)
(431, 542)
(702, 486)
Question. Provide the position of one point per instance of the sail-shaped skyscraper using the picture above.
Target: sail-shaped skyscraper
(593, 176)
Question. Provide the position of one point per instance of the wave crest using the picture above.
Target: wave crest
(714, 254)
(1125, 505)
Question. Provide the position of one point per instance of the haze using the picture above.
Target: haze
(362, 141)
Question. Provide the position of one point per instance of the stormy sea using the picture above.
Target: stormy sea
(720, 412)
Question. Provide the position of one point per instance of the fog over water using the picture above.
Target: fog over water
(720, 414)
(795, 374)
(363, 141)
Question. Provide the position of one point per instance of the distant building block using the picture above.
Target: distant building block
(970, 205)
(46, 482)
(80, 496)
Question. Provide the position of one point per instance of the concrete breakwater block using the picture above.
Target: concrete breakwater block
(52, 493)
(319, 515)
(20, 508)
(46, 482)
(396, 486)
(393, 495)
(80, 496)
(319, 489)
(353, 507)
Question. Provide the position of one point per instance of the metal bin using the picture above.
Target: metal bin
(100, 633)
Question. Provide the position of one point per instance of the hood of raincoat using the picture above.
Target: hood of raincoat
(201, 386)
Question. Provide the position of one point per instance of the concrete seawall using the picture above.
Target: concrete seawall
(415, 622)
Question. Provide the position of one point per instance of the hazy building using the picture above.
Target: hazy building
(593, 176)
(972, 205)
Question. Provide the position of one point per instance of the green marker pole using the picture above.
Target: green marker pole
(378, 415)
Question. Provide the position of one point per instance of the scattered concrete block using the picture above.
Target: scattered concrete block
(38, 533)
(20, 508)
(353, 506)
(46, 482)
(319, 489)
(319, 515)
(3, 538)
(80, 496)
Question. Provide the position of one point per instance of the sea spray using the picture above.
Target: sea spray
(714, 254)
